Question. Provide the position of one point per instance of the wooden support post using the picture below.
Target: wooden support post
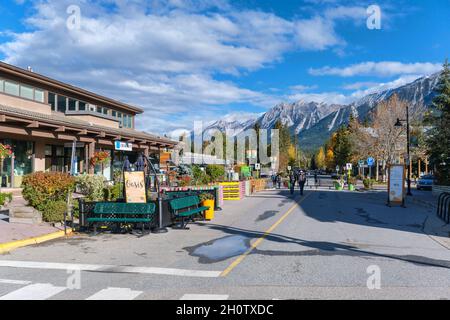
(90, 155)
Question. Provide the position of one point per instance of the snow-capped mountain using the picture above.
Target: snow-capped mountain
(299, 116)
(313, 122)
(232, 128)
(420, 91)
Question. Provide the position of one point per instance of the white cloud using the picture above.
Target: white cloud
(381, 69)
(166, 56)
(316, 34)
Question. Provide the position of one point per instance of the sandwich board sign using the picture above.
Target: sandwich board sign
(135, 187)
(396, 184)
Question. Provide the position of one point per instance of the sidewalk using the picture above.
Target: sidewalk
(436, 228)
(15, 235)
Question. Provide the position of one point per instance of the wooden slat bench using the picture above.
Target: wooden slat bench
(121, 212)
(186, 208)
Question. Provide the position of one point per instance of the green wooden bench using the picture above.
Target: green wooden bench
(120, 212)
(186, 208)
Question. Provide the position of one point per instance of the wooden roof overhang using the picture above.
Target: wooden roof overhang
(53, 129)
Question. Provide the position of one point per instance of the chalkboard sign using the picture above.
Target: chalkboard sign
(135, 187)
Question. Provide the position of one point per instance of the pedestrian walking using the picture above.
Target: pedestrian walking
(274, 180)
(292, 182)
(316, 179)
(278, 181)
(302, 180)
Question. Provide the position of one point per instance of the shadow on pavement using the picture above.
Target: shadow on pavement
(318, 248)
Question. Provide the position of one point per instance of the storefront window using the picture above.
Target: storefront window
(39, 95)
(23, 159)
(58, 158)
(62, 103)
(72, 104)
(11, 88)
(52, 100)
(81, 106)
(26, 92)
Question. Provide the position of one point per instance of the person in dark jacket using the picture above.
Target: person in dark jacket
(279, 181)
(302, 180)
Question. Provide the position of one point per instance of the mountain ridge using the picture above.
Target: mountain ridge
(314, 122)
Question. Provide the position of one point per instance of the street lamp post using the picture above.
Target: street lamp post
(399, 124)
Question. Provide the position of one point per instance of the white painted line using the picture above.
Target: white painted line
(8, 281)
(204, 297)
(115, 294)
(109, 268)
(38, 291)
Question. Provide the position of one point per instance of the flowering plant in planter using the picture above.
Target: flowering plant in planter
(5, 151)
(100, 157)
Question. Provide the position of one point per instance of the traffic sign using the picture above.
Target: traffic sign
(257, 166)
(348, 166)
(370, 161)
(360, 163)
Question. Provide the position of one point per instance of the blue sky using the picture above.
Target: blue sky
(186, 60)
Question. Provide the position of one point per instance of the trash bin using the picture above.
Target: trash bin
(209, 214)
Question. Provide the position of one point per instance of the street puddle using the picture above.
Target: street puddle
(220, 249)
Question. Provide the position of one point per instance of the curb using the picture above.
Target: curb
(9, 246)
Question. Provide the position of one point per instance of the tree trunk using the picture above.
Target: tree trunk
(376, 170)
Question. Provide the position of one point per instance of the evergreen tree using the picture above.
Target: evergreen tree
(438, 140)
(343, 146)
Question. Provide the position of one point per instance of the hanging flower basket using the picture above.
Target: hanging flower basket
(5, 151)
(100, 158)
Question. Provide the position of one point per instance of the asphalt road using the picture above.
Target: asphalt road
(324, 245)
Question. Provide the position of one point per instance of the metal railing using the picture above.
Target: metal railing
(443, 208)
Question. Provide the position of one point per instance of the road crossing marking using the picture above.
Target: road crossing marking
(190, 296)
(8, 281)
(115, 294)
(109, 268)
(38, 291)
(239, 259)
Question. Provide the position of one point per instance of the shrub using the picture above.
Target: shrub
(54, 211)
(5, 197)
(41, 188)
(200, 177)
(206, 196)
(215, 171)
(351, 180)
(112, 193)
(91, 186)
(184, 181)
(368, 183)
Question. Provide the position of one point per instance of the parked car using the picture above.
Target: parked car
(425, 182)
